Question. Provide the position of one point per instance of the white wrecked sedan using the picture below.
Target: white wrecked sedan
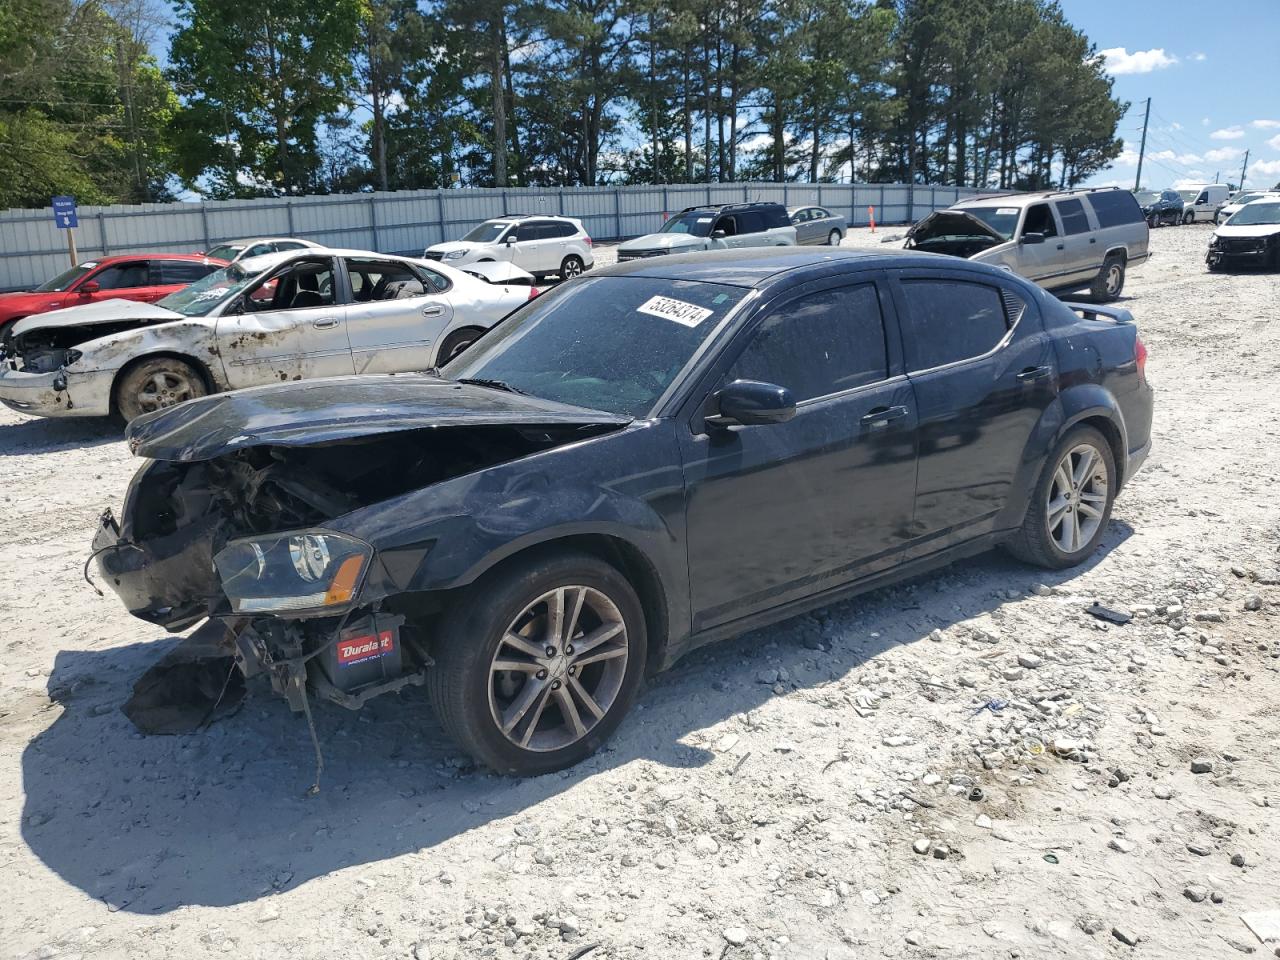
(284, 316)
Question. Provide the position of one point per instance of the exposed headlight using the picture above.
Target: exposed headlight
(455, 254)
(71, 357)
(307, 571)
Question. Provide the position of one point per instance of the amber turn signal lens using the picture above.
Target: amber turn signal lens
(343, 586)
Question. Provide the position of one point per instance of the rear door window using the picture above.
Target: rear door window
(951, 320)
(819, 344)
(751, 221)
(1074, 219)
(373, 280)
(1116, 207)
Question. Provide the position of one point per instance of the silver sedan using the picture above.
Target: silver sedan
(818, 225)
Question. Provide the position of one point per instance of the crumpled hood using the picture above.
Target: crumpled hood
(1246, 230)
(671, 242)
(309, 412)
(951, 223)
(105, 311)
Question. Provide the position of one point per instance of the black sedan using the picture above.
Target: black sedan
(642, 461)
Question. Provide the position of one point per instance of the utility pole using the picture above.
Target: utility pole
(1137, 181)
(1243, 167)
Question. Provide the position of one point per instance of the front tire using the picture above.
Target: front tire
(1188, 217)
(154, 384)
(537, 664)
(1109, 283)
(1071, 504)
(570, 267)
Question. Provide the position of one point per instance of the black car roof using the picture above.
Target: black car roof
(761, 266)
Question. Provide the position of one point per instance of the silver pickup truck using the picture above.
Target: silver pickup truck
(1064, 241)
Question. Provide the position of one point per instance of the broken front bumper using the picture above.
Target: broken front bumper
(169, 580)
(61, 393)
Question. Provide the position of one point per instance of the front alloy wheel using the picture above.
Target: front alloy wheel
(538, 662)
(558, 668)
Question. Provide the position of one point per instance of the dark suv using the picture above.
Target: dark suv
(715, 227)
(1160, 206)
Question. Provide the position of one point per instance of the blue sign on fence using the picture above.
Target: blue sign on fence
(64, 212)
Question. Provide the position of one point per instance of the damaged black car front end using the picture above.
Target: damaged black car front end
(267, 511)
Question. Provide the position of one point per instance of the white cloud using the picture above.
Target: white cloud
(1199, 57)
(1182, 158)
(1175, 125)
(1223, 154)
(1268, 168)
(1274, 142)
(1265, 124)
(1119, 60)
(1128, 158)
(1227, 133)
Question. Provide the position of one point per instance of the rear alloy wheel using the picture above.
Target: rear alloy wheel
(570, 267)
(833, 238)
(455, 343)
(155, 384)
(537, 665)
(1071, 504)
(1110, 280)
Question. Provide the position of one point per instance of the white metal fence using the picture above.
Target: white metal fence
(32, 249)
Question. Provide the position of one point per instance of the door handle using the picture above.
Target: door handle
(1060, 246)
(880, 417)
(325, 323)
(1032, 374)
(433, 311)
(1093, 239)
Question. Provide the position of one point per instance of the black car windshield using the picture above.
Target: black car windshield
(487, 232)
(66, 278)
(609, 343)
(697, 223)
(1256, 212)
(207, 292)
(1000, 219)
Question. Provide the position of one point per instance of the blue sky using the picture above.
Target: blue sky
(1212, 76)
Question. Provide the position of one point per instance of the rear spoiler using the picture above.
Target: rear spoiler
(1091, 311)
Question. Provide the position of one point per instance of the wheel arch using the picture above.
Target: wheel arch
(1091, 405)
(465, 328)
(624, 556)
(210, 382)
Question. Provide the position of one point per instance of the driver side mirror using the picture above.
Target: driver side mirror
(718, 234)
(750, 402)
(511, 238)
(88, 288)
(1031, 238)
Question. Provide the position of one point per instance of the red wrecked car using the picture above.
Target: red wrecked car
(145, 277)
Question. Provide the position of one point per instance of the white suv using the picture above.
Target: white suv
(539, 244)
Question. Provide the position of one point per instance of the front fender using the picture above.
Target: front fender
(189, 338)
(626, 485)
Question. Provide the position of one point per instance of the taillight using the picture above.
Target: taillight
(534, 291)
(1140, 357)
(588, 239)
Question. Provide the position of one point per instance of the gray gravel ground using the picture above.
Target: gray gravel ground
(826, 788)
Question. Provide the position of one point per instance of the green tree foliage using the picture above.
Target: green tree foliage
(258, 80)
(83, 108)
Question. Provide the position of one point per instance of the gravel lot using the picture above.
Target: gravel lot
(827, 788)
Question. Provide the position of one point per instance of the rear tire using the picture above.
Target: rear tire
(570, 267)
(833, 238)
(507, 617)
(457, 342)
(1068, 512)
(1109, 283)
(154, 384)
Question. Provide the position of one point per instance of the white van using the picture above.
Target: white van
(1202, 201)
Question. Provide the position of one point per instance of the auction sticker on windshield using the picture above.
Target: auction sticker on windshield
(688, 314)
